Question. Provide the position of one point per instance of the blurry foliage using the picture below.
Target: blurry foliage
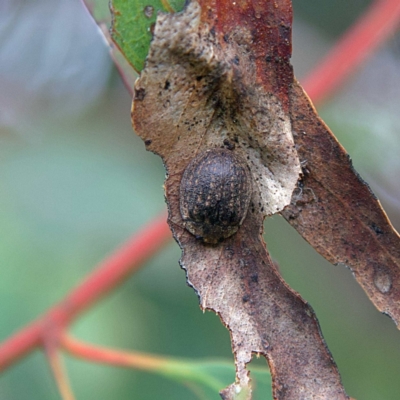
(331, 17)
(76, 182)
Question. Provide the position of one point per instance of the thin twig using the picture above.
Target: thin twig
(185, 371)
(58, 369)
(118, 358)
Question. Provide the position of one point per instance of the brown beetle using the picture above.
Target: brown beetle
(215, 193)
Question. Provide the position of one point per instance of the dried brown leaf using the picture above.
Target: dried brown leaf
(336, 212)
(211, 83)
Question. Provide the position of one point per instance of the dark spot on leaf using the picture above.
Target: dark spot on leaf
(230, 252)
(148, 142)
(139, 94)
(305, 171)
(284, 31)
(254, 278)
(376, 229)
(148, 11)
(229, 145)
(265, 343)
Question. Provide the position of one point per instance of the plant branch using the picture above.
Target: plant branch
(109, 274)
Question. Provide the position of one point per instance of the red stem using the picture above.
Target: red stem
(373, 28)
(105, 277)
(59, 372)
(117, 358)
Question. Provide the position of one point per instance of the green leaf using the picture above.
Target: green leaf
(132, 25)
(261, 382)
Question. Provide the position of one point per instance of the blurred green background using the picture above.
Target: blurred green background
(75, 182)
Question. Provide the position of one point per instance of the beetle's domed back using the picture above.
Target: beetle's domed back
(215, 193)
